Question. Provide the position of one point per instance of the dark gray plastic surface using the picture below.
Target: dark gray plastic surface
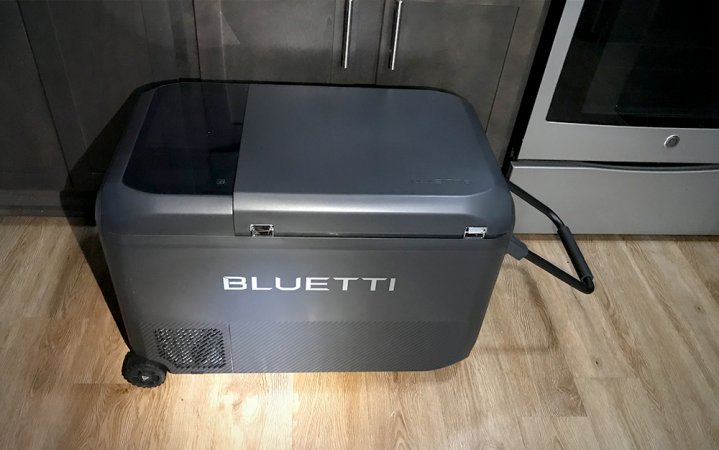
(430, 319)
(409, 164)
(319, 160)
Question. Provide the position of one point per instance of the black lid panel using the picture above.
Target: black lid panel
(189, 143)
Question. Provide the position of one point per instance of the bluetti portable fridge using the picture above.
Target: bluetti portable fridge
(287, 228)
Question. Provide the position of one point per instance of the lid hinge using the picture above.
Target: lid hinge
(475, 232)
(262, 229)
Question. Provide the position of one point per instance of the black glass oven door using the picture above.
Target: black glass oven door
(647, 63)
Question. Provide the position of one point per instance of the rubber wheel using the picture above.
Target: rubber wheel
(142, 372)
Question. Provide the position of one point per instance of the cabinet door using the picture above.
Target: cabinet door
(515, 72)
(267, 40)
(459, 46)
(30, 155)
(357, 46)
(92, 55)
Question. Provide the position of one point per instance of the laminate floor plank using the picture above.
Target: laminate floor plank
(558, 433)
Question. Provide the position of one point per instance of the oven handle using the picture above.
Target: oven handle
(519, 250)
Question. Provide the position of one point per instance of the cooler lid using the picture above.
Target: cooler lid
(189, 141)
(357, 161)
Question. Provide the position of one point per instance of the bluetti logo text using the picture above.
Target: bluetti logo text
(385, 284)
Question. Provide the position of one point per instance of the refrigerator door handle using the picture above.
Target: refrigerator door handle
(518, 249)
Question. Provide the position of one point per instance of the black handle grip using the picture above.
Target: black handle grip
(585, 282)
(574, 253)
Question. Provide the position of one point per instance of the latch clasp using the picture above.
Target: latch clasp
(262, 229)
(475, 232)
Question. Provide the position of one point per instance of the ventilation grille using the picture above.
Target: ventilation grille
(191, 348)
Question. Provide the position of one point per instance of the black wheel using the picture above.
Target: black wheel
(142, 372)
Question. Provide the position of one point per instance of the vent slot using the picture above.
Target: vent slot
(191, 348)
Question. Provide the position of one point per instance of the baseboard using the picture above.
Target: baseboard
(47, 203)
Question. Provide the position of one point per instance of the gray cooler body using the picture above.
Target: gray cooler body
(279, 228)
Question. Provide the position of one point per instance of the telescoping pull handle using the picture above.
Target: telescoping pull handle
(519, 250)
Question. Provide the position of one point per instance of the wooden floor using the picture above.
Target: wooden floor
(634, 365)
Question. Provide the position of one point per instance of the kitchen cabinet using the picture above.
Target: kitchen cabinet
(301, 41)
(77, 66)
(357, 43)
(92, 55)
(479, 49)
(282, 40)
(455, 46)
(31, 156)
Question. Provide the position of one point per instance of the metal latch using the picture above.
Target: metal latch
(262, 229)
(475, 232)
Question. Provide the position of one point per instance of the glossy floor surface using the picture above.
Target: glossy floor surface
(636, 364)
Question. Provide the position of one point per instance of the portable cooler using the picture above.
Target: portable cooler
(290, 228)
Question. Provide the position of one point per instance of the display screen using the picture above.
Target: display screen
(190, 140)
(642, 63)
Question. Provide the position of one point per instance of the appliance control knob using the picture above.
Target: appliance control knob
(671, 141)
